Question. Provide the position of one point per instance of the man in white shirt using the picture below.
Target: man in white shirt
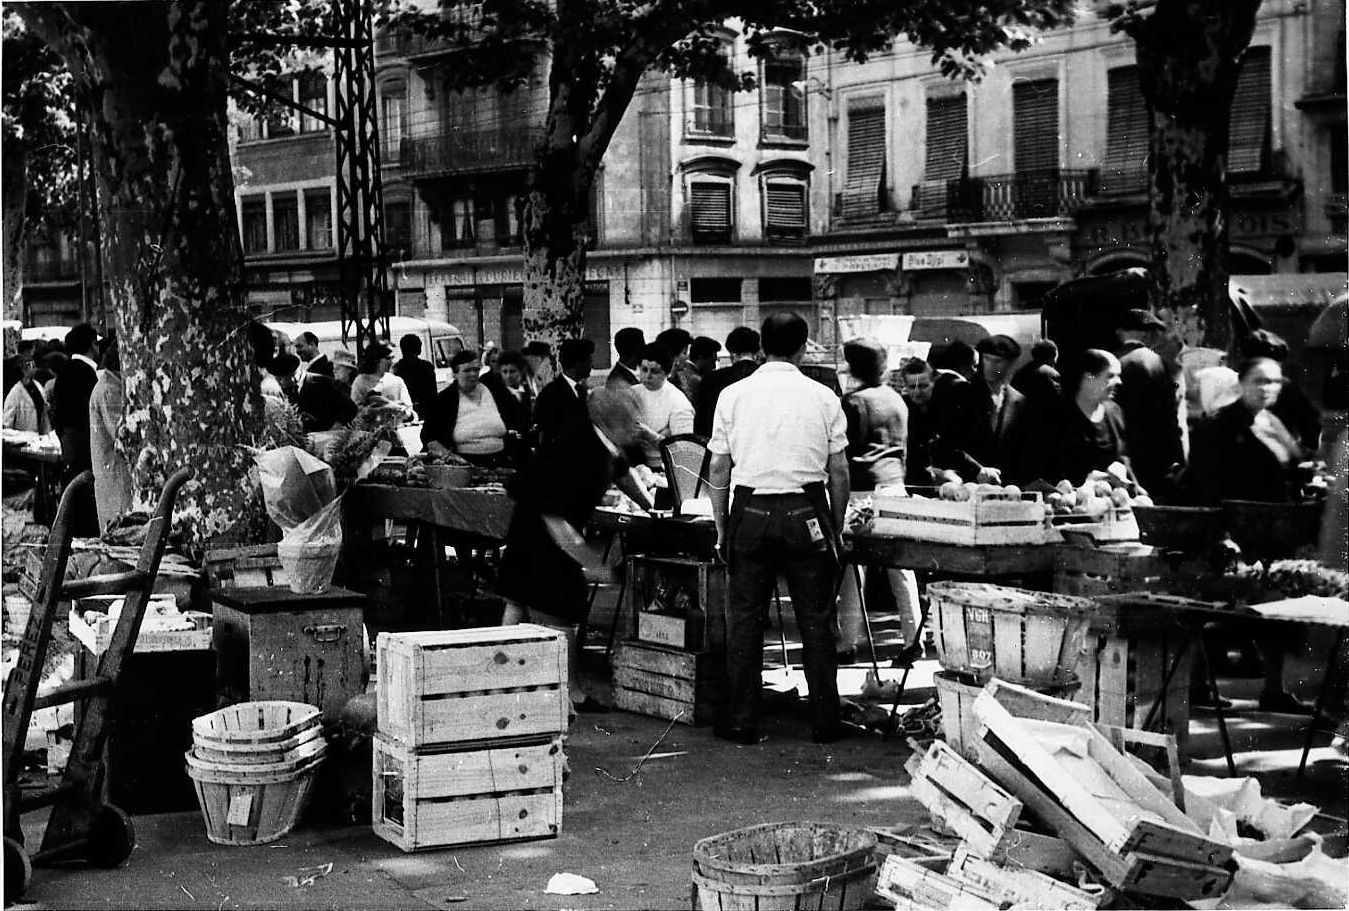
(780, 438)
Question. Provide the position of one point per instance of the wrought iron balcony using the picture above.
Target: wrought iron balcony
(44, 265)
(469, 151)
(1005, 197)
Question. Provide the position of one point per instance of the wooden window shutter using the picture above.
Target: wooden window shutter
(1248, 132)
(1126, 141)
(785, 208)
(710, 209)
(866, 161)
(1035, 136)
(947, 138)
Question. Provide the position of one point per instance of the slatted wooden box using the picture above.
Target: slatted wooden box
(678, 602)
(982, 519)
(668, 683)
(453, 686)
(437, 797)
(1092, 571)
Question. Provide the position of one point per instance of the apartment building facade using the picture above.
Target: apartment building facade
(979, 197)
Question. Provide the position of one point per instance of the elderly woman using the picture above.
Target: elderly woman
(1084, 430)
(475, 417)
(662, 410)
(376, 385)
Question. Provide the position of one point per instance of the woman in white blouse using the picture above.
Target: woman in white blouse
(375, 385)
(662, 410)
(476, 417)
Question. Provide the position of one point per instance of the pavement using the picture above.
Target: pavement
(641, 793)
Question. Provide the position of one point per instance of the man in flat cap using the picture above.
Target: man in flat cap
(979, 423)
(1150, 398)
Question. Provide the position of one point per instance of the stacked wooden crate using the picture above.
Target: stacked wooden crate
(673, 666)
(469, 747)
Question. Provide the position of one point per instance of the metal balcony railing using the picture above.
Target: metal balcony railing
(1006, 197)
(468, 151)
(51, 268)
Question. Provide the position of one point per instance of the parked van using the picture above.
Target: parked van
(440, 340)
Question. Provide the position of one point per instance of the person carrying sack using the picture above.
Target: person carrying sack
(779, 439)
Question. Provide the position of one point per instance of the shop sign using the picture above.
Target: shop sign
(865, 262)
(1241, 226)
(936, 259)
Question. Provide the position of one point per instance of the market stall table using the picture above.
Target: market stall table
(461, 517)
(44, 463)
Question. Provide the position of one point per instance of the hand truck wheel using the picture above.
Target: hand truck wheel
(112, 837)
(18, 870)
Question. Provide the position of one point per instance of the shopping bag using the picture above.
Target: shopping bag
(308, 552)
(295, 485)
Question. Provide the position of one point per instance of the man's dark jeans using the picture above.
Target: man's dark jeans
(773, 537)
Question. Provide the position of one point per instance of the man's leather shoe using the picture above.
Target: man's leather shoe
(832, 733)
(746, 736)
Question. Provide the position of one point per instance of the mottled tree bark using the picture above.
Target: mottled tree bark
(13, 196)
(155, 75)
(1189, 56)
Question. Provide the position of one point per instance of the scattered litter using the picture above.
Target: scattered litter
(570, 884)
(876, 690)
(308, 875)
(604, 730)
(187, 893)
(457, 864)
(647, 755)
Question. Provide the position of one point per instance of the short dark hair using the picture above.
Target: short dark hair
(308, 338)
(704, 347)
(1087, 361)
(1263, 343)
(784, 333)
(410, 344)
(574, 350)
(512, 358)
(660, 354)
(284, 365)
(675, 339)
(954, 355)
(866, 360)
(466, 356)
(81, 338)
(1044, 352)
(1250, 363)
(628, 341)
(373, 354)
(537, 348)
(915, 366)
(742, 340)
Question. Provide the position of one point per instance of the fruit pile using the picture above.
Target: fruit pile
(1096, 496)
(954, 490)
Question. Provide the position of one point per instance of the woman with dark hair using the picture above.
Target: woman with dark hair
(376, 385)
(1083, 431)
(877, 419)
(514, 372)
(662, 410)
(475, 417)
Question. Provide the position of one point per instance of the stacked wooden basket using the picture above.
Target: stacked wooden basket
(253, 765)
(469, 747)
(1030, 638)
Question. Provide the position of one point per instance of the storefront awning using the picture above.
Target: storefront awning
(1298, 290)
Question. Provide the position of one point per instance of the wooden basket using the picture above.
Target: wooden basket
(989, 631)
(251, 810)
(956, 699)
(269, 721)
(250, 755)
(784, 865)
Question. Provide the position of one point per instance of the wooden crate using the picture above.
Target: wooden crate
(668, 683)
(1098, 802)
(990, 631)
(255, 566)
(451, 686)
(1016, 887)
(962, 798)
(478, 794)
(678, 602)
(1091, 571)
(983, 519)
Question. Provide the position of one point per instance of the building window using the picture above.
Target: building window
(398, 227)
(1339, 160)
(1035, 118)
(313, 95)
(710, 210)
(286, 221)
(457, 227)
(250, 128)
(785, 209)
(254, 218)
(715, 290)
(790, 289)
(1126, 141)
(711, 109)
(948, 141)
(318, 217)
(783, 98)
(391, 126)
(1248, 132)
(280, 122)
(864, 185)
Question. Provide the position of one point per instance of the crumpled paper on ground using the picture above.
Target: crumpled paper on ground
(570, 884)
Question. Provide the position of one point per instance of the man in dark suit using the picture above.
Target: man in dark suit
(978, 422)
(321, 402)
(743, 345)
(418, 375)
(561, 404)
(1149, 397)
(307, 349)
(628, 342)
(73, 387)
